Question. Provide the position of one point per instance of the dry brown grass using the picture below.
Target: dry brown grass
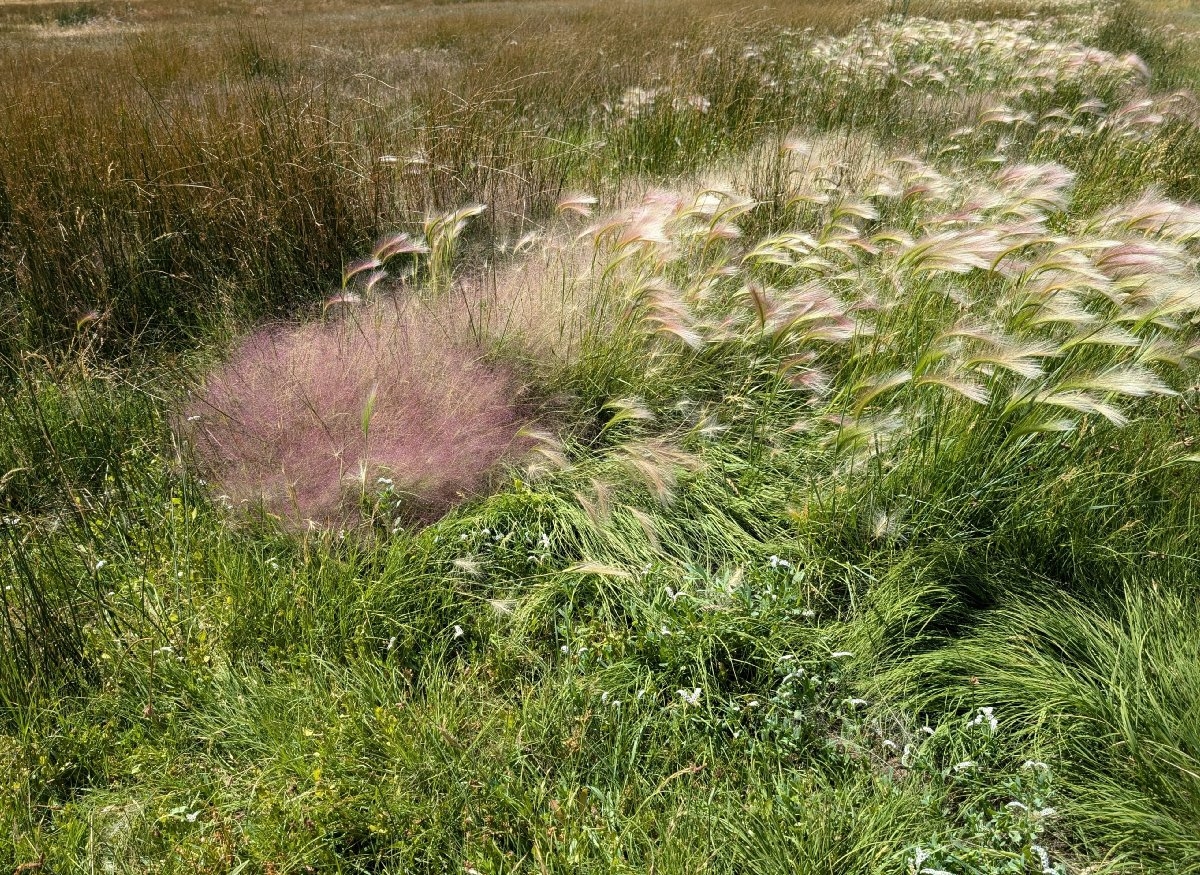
(158, 157)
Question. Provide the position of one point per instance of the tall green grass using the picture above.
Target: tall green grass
(858, 533)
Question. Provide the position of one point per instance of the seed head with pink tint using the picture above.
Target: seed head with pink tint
(308, 420)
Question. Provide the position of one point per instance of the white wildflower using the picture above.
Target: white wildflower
(1043, 858)
(984, 715)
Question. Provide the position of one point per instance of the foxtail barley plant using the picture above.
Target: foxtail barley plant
(792, 468)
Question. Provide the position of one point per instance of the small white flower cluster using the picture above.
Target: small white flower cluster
(984, 716)
(535, 543)
(1044, 858)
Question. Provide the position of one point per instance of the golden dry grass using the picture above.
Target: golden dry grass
(212, 146)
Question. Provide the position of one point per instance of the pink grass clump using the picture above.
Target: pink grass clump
(311, 420)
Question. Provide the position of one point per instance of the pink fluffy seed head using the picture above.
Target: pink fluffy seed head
(307, 420)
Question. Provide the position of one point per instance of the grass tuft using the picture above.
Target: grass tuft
(379, 411)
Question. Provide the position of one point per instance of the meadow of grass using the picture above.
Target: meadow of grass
(581, 436)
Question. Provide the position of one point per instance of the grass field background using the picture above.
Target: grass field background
(574, 437)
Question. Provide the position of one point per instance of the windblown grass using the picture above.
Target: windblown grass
(792, 467)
